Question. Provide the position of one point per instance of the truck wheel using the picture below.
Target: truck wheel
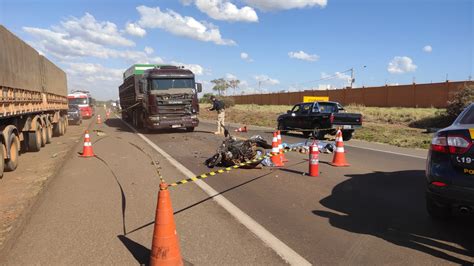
(2, 162)
(49, 134)
(65, 125)
(57, 129)
(189, 129)
(12, 163)
(346, 136)
(318, 134)
(306, 134)
(61, 127)
(34, 140)
(282, 128)
(43, 136)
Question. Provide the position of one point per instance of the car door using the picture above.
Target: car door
(303, 120)
(293, 118)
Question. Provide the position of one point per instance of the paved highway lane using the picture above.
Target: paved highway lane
(370, 213)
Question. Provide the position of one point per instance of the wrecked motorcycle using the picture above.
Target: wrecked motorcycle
(233, 151)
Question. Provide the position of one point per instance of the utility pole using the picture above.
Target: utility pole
(352, 77)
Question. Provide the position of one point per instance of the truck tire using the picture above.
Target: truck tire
(318, 134)
(43, 136)
(65, 124)
(57, 129)
(2, 162)
(12, 163)
(49, 134)
(282, 128)
(346, 136)
(189, 129)
(34, 140)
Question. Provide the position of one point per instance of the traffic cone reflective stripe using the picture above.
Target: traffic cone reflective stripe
(314, 160)
(276, 159)
(280, 146)
(165, 245)
(339, 158)
(87, 148)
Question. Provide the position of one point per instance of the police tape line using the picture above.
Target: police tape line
(228, 169)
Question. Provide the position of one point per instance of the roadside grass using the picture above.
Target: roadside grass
(402, 127)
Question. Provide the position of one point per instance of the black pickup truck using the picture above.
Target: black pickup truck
(326, 116)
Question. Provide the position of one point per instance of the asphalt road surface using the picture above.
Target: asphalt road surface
(369, 213)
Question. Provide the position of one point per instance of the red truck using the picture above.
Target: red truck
(83, 100)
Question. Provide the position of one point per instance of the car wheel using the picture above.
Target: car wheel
(189, 129)
(282, 128)
(346, 136)
(437, 211)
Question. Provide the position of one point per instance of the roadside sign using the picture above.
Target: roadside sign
(308, 99)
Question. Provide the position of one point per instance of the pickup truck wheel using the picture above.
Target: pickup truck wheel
(282, 128)
(306, 134)
(318, 134)
(12, 163)
(189, 129)
(346, 136)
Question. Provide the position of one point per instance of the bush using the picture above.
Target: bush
(460, 101)
(228, 101)
(206, 98)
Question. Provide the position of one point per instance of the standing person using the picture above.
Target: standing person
(218, 106)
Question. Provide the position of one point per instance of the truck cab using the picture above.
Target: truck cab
(82, 99)
(162, 97)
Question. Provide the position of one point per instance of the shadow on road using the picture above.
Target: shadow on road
(119, 125)
(139, 252)
(391, 206)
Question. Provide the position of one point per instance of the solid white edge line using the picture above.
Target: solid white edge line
(390, 152)
(284, 251)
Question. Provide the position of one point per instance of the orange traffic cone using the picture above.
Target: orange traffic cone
(87, 149)
(107, 115)
(276, 159)
(339, 155)
(313, 160)
(99, 121)
(241, 129)
(165, 246)
(280, 147)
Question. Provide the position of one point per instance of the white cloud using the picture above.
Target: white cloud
(246, 57)
(427, 49)
(268, 5)
(225, 10)
(180, 25)
(63, 46)
(88, 28)
(264, 79)
(195, 68)
(303, 56)
(149, 50)
(230, 76)
(135, 30)
(400, 65)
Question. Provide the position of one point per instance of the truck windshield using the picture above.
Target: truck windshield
(77, 101)
(164, 84)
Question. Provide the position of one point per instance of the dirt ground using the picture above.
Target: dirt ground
(20, 189)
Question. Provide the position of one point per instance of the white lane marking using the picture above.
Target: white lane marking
(284, 251)
(390, 152)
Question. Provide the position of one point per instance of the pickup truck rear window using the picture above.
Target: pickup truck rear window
(328, 108)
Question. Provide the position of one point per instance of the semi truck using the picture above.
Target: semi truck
(83, 100)
(160, 97)
(33, 100)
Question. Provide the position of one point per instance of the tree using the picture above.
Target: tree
(234, 84)
(460, 101)
(220, 85)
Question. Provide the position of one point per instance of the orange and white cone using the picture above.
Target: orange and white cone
(280, 147)
(314, 160)
(165, 245)
(99, 121)
(339, 159)
(87, 149)
(276, 158)
(107, 115)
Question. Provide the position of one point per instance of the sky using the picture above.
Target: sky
(269, 45)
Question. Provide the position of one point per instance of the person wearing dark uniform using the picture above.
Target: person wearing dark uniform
(218, 106)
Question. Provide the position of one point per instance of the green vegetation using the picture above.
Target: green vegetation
(460, 101)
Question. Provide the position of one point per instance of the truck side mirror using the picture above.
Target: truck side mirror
(199, 87)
